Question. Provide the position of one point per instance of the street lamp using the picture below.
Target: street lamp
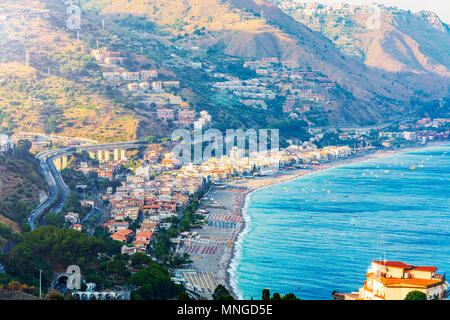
(40, 283)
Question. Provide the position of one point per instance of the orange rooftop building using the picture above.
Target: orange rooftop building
(123, 235)
(393, 280)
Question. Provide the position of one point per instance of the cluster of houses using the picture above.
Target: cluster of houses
(105, 56)
(73, 219)
(179, 116)
(302, 87)
(315, 9)
(119, 76)
(184, 116)
(153, 86)
(150, 91)
(419, 136)
(426, 123)
(148, 201)
(233, 165)
(105, 170)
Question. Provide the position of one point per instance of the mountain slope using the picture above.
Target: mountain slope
(48, 80)
(258, 29)
(382, 37)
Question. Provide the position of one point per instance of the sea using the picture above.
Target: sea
(319, 232)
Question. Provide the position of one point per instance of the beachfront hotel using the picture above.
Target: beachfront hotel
(393, 280)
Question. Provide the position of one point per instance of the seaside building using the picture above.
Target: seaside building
(393, 280)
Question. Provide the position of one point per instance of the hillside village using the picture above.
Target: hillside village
(304, 90)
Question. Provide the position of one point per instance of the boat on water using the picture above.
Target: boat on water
(413, 166)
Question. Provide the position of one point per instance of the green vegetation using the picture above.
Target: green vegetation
(416, 295)
(237, 70)
(154, 284)
(221, 293)
(20, 184)
(53, 249)
(277, 296)
(163, 247)
(49, 248)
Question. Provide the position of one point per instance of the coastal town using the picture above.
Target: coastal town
(223, 150)
(149, 193)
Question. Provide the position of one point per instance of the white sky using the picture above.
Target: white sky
(441, 7)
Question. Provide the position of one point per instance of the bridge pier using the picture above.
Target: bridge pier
(107, 156)
(57, 163)
(64, 162)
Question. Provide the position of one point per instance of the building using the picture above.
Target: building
(144, 236)
(393, 280)
(171, 84)
(77, 227)
(133, 86)
(5, 143)
(72, 217)
(113, 226)
(186, 116)
(165, 113)
(123, 235)
(157, 85)
(148, 74)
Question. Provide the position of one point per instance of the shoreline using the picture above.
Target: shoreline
(289, 175)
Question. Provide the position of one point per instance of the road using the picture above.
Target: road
(56, 186)
(58, 190)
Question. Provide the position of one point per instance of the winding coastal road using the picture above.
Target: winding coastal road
(56, 186)
(58, 190)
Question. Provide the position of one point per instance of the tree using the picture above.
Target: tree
(139, 259)
(55, 295)
(183, 296)
(14, 286)
(154, 284)
(290, 296)
(276, 296)
(416, 295)
(266, 294)
(220, 292)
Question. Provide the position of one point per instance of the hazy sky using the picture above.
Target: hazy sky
(441, 7)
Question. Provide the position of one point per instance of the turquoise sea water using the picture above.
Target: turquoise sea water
(318, 233)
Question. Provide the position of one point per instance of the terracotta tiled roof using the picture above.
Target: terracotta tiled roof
(394, 264)
(422, 268)
(410, 282)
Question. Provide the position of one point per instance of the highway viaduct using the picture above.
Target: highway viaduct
(51, 163)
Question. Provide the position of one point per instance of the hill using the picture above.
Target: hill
(20, 186)
(60, 86)
(383, 37)
(257, 29)
(48, 80)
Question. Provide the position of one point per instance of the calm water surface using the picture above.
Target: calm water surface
(318, 233)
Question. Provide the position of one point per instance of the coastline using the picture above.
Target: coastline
(288, 175)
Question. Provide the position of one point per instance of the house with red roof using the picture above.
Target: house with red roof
(123, 235)
(393, 280)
